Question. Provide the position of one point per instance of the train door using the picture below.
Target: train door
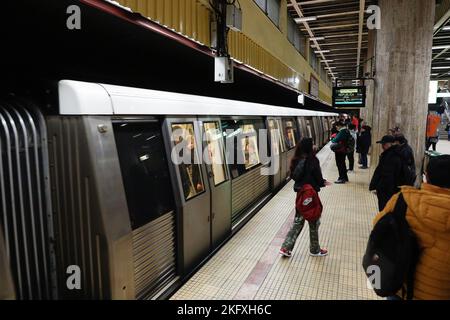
(291, 138)
(324, 130)
(302, 127)
(193, 194)
(318, 131)
(151, 205)
(219, 180)
(278, 149)
(309, 128)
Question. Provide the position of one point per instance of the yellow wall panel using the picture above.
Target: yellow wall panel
(188, 5)
(175, 14)
(142, 7)
(168, 13)
(260, 45)
(160, 11)
(151, 9)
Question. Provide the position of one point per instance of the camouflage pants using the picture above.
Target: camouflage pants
(295, 231)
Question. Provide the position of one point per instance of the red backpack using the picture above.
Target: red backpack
(308, 203)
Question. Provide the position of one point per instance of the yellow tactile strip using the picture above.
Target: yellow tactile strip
(249, 267)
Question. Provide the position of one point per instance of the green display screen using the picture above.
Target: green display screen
(349, 97)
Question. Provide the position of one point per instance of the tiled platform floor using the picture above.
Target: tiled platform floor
(249, 266)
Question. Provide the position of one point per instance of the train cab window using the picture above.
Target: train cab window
(243, 137)
(290, 133)
(275, 137)
(213, 138)
(144, 170)
(190, 171)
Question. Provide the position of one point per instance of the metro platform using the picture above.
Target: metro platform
(249, 267)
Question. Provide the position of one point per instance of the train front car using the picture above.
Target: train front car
(126, 192)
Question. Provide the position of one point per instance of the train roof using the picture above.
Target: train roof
(86, 98)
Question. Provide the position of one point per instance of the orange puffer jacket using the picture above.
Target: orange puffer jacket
(428, 215)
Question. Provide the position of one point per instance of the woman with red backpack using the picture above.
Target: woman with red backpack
(305, 171)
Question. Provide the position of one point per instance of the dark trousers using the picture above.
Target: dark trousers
(429, 144)
(341, 165)
(364, 161)
(383, 199)
(351, 160)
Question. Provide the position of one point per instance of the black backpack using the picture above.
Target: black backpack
(350, 143)
(393, 251)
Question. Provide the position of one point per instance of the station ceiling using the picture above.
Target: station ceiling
(340, 31)
(440, 69)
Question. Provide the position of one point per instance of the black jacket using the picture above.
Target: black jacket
(388, 175)
(364, 142)
(308, 172)
(407, 154)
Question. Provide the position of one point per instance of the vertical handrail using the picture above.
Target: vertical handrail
(4, 120)
(31, 219)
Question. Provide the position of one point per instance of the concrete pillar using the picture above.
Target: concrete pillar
(403, 64)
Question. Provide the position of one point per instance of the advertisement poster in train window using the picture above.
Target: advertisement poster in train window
(215, 151)
(190, 172)
(249, 145)
(290, 135)
(275, 137)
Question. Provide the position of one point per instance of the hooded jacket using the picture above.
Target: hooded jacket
(387, 177)
(428, 215)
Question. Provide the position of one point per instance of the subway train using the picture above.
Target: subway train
(95, 205)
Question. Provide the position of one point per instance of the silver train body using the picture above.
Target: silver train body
(92, 207)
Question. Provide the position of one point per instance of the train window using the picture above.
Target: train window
(215, 151)
(275, 137)
(290, 133)
(243, 137)
(309, 128)
(144, 170)
(190, 171)
(249, 145)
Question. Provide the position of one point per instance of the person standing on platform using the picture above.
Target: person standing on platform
(388, 175)
(339, 146)
(355, 122)
(433, 123)
(305, 171)
(428, 215)
(405, 150)
(351, 148)
(447, 128)
(348, 120)
(364, 144)
(334, 130)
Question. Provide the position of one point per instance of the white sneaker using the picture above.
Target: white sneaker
(285, 252)
(322, 253)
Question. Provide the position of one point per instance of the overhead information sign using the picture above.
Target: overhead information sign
(349, 97)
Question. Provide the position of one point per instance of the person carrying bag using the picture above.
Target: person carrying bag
(306, 172)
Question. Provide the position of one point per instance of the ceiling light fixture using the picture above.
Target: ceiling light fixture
(305, 19)
(441, 47)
